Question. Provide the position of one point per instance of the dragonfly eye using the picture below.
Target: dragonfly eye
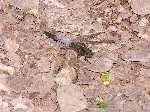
(89, 53)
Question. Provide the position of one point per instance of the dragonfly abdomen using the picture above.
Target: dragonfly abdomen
(60, 39)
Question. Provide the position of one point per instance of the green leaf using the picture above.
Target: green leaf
(105, 78)
(101, 104)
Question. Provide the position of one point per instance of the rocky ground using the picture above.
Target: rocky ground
(40, 75)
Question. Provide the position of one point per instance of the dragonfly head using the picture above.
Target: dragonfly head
(82, 49)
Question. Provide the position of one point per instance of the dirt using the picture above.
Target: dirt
(38, 74)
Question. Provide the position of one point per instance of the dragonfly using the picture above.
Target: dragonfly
(80, 47)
